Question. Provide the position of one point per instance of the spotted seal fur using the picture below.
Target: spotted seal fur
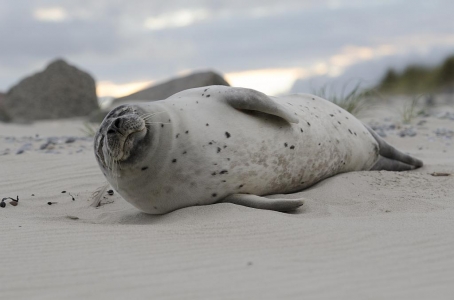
(225, 144)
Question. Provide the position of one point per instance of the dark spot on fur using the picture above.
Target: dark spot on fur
(205, 90)
(187, 131)
(339, 122)
(219, 150)
(313, 98)
(214, 173)
(308, 123)
(203, 94)
(207, 124)
(185, 152)
(210, 143)
(223, 172)
(144, 168)
(214, 195)
(241, 185)
(174, 160)
(162, 125)
(302, 182)
(225, 147)
(208, 96)
(292, 147)
(197, 102)
(355, 133)
(285, 144)
(301, 129)
(350, 131)
(331, 115)
(155, 207)
(177, 135)
(228, 159)
(346, 118)
(319, 144)
(224, 180)
(227, 134)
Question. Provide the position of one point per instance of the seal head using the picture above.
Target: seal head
(119, 136)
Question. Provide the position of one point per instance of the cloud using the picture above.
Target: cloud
(52, 14)
(179, 18)
(141, 40)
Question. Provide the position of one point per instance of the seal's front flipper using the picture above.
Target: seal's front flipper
(255, 201)
(248, 99)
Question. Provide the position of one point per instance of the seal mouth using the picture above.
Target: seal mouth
(129, 143)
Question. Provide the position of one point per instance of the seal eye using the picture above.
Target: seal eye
(117, 123)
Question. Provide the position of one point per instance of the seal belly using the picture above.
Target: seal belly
(237, 151)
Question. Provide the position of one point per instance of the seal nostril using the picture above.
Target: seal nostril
(111, 131)
(117, 123)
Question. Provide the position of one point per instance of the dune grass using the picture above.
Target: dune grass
(409, 110)
(356, 101)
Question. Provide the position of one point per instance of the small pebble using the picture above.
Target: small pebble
(110, 192)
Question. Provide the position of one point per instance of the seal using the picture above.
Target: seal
(222, 144)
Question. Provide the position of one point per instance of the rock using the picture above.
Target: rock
(167, 89)
(407, 132)
(445, 115)
(70, 140)
(444, 132)
(97, 116)
(60, 91)
(4, 117)
(24, 148)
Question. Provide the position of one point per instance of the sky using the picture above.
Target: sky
(262, 44)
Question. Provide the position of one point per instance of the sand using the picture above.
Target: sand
(360, 235)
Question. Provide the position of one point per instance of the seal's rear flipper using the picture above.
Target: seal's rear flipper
(392, 159)
(387, 164)
(247, 99)
(255, 201)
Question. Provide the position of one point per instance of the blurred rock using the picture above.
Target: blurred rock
(444, 132)
(60, 91)
(407, 132)
(4, 117)
(167, 89)
(97, 116)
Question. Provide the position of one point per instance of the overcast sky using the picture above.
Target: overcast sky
(262, 44)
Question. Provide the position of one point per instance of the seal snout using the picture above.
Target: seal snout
(122, 133)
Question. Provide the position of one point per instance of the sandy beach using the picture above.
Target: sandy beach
(360, 235)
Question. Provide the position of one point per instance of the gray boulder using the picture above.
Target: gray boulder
(4, 117)
(168, 88)
(60, 91)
